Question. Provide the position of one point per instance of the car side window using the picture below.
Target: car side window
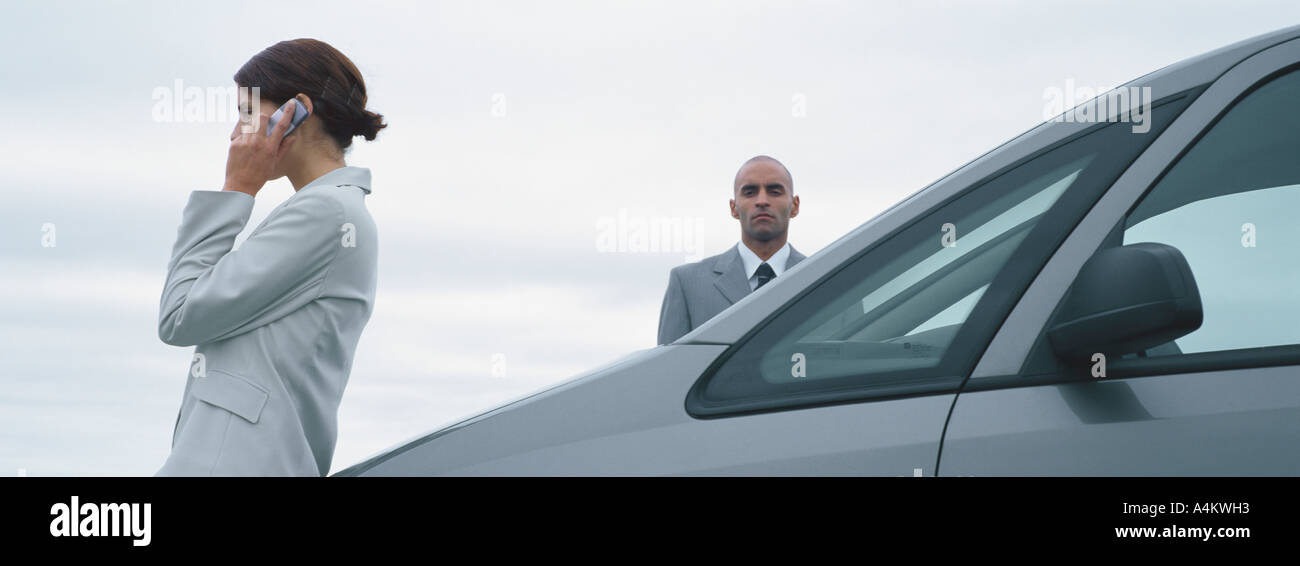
(911, 313)
(1229, 205)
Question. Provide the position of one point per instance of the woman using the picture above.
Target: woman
(277, 321)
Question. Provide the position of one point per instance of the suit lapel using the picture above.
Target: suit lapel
(731, 280)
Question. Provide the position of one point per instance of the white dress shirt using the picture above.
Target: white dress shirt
(777, 261)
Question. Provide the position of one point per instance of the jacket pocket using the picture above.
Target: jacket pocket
(232, 393)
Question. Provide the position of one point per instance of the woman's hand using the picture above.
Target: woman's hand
(254, 155)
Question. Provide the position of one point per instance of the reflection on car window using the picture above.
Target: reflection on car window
(954, 314)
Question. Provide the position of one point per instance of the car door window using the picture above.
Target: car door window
(1229, 205)
(910, 314)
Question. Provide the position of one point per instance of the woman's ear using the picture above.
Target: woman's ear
(305, 101)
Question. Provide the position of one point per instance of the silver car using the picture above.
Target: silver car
(1114, 292)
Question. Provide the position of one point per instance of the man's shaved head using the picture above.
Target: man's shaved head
(763, 201)
(762, 158)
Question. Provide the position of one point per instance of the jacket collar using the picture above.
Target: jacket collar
(731, 278)
(346, 175)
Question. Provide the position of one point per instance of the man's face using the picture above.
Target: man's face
(764, 202)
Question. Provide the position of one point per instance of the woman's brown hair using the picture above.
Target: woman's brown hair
(320, 71)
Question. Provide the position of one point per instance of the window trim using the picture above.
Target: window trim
(1241, 359)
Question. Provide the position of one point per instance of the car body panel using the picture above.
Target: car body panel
(630, 420)
(1218, 423)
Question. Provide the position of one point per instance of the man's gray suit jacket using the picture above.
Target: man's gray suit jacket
(699, 291)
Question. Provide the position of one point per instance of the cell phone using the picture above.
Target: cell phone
(299, 114)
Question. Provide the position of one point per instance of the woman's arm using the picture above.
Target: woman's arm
(213, 293)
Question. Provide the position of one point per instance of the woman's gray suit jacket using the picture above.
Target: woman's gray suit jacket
(275, 323)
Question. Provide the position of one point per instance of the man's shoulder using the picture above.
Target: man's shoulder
(796, 255)
(703, 265)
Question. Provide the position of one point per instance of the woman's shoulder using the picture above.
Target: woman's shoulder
(339, 208)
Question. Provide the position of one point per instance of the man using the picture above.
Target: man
(763, 201)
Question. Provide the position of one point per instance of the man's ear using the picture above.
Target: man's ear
(734, 214)
(794, 210)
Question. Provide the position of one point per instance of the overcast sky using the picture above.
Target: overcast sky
(529, 144)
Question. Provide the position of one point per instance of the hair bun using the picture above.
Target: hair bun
(368, 124)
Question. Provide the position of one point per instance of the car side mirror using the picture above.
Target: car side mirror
(1126, 300)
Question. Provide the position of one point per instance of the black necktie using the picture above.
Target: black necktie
(764, 274)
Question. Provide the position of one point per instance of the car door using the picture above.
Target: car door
(1223, 187)
(857, 375)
